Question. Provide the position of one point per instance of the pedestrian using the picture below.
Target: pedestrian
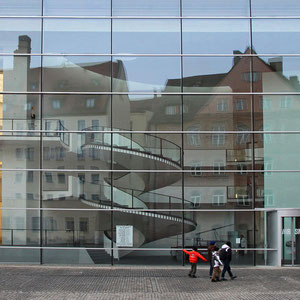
(243, 245)
(193, 258)
(225, 256)
(210, 249)
(216, 263)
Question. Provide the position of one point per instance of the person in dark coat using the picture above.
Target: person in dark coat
(225, 255)
(210, 249)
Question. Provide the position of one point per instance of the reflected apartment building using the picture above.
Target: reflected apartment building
(125, 159)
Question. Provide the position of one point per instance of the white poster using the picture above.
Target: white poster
(124, 235)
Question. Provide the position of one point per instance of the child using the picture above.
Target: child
(217, 263)
(193, 258)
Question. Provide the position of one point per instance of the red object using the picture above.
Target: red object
(193, 256)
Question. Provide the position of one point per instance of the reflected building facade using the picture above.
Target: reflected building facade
(130, 131)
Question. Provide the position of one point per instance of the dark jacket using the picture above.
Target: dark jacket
(228, 253)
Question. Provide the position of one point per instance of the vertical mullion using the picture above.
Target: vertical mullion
(182, 135)
(111, 141)
(252, 129)
(41, 136)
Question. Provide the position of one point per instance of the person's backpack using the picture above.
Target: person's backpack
(223, 254)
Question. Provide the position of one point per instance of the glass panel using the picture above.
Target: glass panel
(66, 112)
(20, 189)
(215, 8)
(148, 112)
(20, 7)
(277, 189)
(276, 74)
(77, 74)
(148, 191)
(277, 152)
(147, 74)
(216, 74)
(76, 229)
(20, 73)
(154, 257)
(19, 112)
(278, 36)
(18, 229)
(20, 35)
(146, 8)
(88, 190)
(23, 256)
(236, 227)
(148, 230)
(287, 240)
(77, 36)
(215, 36)
(275, 8)
(77, 8)
(158, 36)
(147, 151)
(217, 113)
(216, 190)
(76, 256)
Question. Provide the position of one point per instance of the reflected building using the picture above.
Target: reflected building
(120, 152)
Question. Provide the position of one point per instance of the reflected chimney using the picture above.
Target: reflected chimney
(24, 45)
(236, 59)
(276, 64)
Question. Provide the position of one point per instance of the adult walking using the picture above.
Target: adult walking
(225, 256)
(210, 249)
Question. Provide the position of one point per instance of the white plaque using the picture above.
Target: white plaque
(238, 240)
(124, 234)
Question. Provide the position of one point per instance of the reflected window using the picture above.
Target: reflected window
(50, 223)
(218, 139)
(29, 196)
(56, 104)
(256, 76)
(241, 104)
(46, 153)
(266, 103)
(243, 200)
(29, 153)
(218, 198)
(196, 198)
(61, 178)
(18, 177)
(19, 153)
(269, 198)
(60, 153)
(84, 224)
(268, 166)
(266, 138)
(222, 105)
(90, 102)
(29, 176)
(69, 223)
(285, 102)
(242, 138)
(194, 139)
(176, 109)
(218, 167)
(196, 168)
(35, 223)
(95, 178)
(48, 177)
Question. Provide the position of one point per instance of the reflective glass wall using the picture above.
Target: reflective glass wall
(131, 129)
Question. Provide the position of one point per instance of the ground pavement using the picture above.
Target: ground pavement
(57, 282)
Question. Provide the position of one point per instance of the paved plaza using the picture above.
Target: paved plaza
(57, 282)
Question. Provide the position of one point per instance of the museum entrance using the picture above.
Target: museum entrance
(290, 248)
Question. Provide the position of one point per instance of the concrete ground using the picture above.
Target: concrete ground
(124, 282)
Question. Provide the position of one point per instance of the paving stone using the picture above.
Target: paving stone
(63, 282)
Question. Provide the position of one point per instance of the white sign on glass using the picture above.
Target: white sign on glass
(124, 234)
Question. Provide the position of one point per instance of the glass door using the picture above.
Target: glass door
(290, 241)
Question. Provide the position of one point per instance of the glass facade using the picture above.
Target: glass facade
(130, 129)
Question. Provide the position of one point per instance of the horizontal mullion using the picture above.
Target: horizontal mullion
(154, 54)
(151, 17)
(148, 171)
(124, 248)
(145, 93)
(116, 209)
(145, 131)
